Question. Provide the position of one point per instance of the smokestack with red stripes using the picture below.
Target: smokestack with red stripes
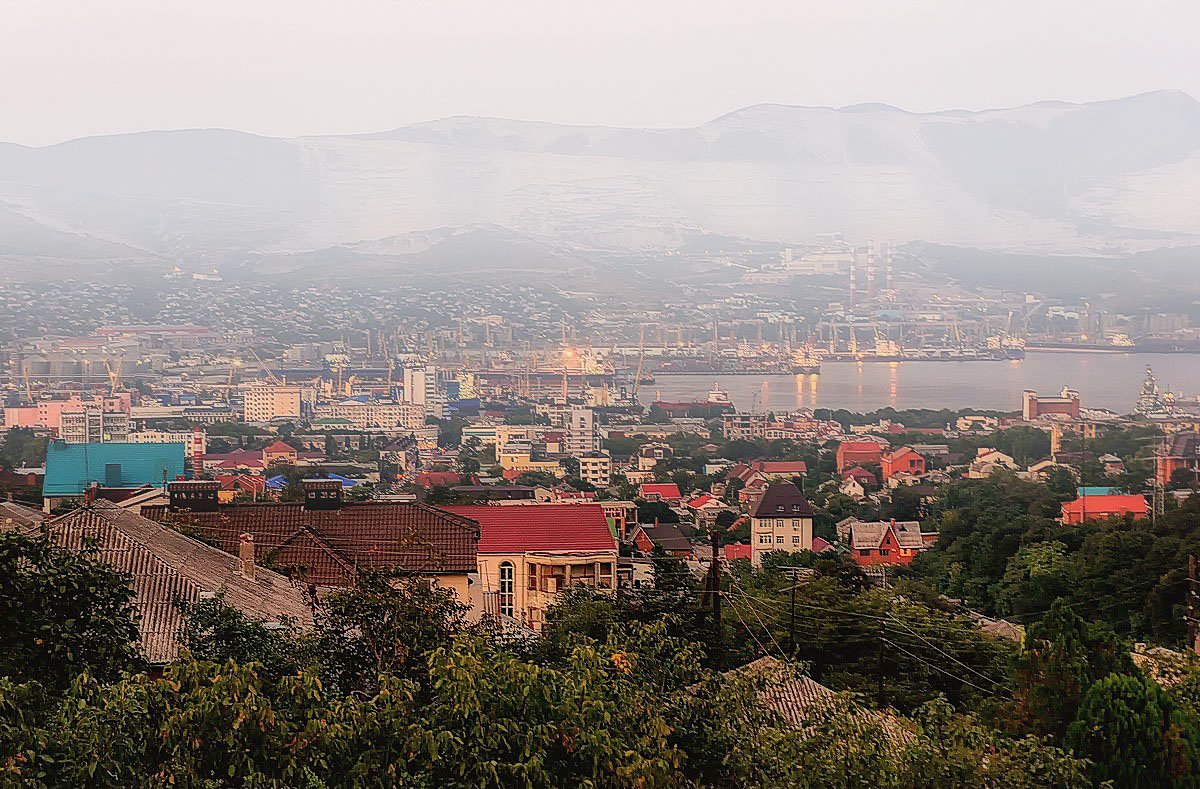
(870, 269)
(853, 275)
(888, 270)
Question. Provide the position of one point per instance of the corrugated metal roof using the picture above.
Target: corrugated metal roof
(71, 468)
(329, 544)
(166, 566)
(520, 528)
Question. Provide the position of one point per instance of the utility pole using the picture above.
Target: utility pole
(715, 586)
(1191, 602)
(792, 627)
(879, 667)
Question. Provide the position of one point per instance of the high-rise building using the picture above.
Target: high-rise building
(93, 425)
(582, 436)
(421, 387)
(265, 402)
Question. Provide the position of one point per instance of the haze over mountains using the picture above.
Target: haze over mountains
(1107, 177)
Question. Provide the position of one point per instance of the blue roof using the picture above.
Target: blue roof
(277, 482)
(71, 468)
(1095, 490)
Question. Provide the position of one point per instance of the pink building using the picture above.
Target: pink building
(48, 413)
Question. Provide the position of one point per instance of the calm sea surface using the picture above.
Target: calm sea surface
(1110, 381)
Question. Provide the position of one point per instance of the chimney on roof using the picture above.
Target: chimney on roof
(196, 495)
(246, 556)
(322, 494)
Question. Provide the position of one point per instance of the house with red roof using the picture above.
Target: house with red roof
(279, 452)
(779, 469)
(661, 491)
(325, 540)
(884, 543)
(705, 507)
(856, 453)
(529, 553)
(1112, 505)
(903, 460)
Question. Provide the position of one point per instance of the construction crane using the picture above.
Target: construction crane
(114, 375)
(267, 370)
(637, 377)
(229, 381)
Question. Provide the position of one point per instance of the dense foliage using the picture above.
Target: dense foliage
(1002, 552)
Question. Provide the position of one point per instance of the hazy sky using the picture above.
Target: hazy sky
(70, 69)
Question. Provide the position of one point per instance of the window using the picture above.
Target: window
(506, 588)
(531, 576)
(779, 539)
(884, 552)
(795, 539)
(865, 552)
(764, 539)
(605, 570)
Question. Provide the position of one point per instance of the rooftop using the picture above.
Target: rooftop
(167, 565)
(539, 527)
(330, 545)
(782, 499)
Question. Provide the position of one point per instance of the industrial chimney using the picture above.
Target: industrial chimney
(870, 269)
(853, 276)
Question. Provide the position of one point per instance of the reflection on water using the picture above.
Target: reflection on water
(1104, 380)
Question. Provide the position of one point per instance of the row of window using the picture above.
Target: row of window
(552, 578)
(765, 539)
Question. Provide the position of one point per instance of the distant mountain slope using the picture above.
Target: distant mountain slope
(1051, 177)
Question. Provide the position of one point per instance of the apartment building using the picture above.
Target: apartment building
(265, 402)
(93, 425)
(596, 468)
(781, 521)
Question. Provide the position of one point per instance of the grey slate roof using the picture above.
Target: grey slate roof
(782, 500)
(166, 566)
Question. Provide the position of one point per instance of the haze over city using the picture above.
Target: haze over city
(637, 394)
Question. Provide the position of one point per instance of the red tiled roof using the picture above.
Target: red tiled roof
(540, 527)
(781, 466)
(666, 490)
(428, 479)
(329, 544)
(277, 447)
(820, 545)
(1105, 505)
(701, 500)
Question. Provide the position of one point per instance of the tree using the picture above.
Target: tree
(1135, 735)
(62, 613)
(385, 624)
(1062, 658)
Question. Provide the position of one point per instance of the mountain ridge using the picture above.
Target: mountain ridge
(1052, 176)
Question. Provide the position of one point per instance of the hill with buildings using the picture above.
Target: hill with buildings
(1050, 178)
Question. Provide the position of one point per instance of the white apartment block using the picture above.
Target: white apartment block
(421, 388)
(374, 415)
(195, 442)
(265, 402)
(93, 426)
(582, 436)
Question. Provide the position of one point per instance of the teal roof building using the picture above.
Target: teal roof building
(72, 468)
